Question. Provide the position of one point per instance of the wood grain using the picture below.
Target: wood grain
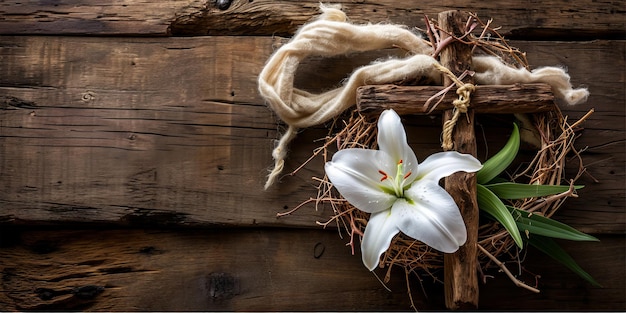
(161, 142)
(225, 270)
(173, 131)
(460, 274)
(142, 132)
(260, 270)
(574, 20)
(521, 98)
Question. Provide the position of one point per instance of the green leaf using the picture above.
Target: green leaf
(522, 191)
(552, 249)
(543, 226)
(489, 202)
(499, 162)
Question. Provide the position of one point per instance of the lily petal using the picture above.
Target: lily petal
(354, 172)
(392, 140)
(380, 229)
(431, 216)
(443, 164)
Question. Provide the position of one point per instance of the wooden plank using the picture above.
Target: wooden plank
(460, 274)
(131, 130)
(225, 270)
(141, 131)
(263, 270)
(525, 98)
(575, 20)
(91, 17)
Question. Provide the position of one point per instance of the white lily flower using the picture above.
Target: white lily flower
(400, 194)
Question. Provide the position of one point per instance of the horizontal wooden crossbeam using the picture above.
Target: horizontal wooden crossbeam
(518, 98)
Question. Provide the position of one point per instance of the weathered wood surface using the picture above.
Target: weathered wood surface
(524, 98)
(173, 131)
(261, 269)
(573, 20)
(250, 270)
(140, 131)
(460, 275)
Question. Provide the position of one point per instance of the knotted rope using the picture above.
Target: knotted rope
(461, 105)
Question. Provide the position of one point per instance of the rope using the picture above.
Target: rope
(279, 153)
(328, 36)
(461, 105)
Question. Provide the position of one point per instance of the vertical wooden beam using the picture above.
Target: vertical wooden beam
(461, 281)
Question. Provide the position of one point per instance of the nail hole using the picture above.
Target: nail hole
(318, 250)
(222, 4)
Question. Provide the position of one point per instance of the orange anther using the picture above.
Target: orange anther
(385, 176)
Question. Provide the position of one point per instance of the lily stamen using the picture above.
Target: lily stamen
(385, 176)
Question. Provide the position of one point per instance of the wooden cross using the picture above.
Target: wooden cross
(460, 276)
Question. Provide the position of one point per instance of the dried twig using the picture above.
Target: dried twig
(508, 273)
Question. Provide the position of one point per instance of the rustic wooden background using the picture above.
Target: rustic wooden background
(134, 146)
